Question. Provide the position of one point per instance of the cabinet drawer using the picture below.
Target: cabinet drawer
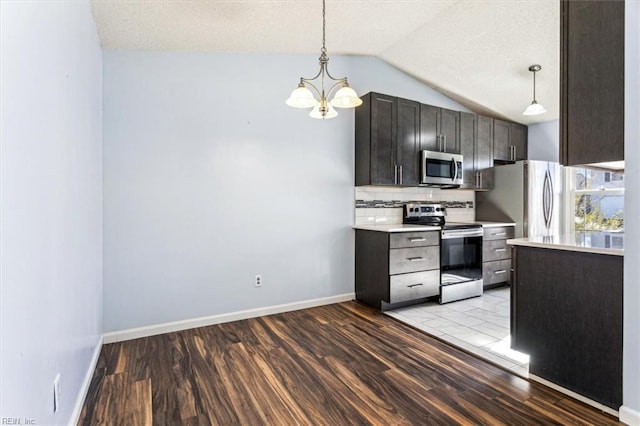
(498, 233)
(496, 272)
(495, 250)
(414, 259)
(414, 239)
(416, 285)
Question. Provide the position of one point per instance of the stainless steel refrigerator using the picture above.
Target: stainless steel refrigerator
(529, 193)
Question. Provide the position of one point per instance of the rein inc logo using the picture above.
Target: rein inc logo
(17, 421)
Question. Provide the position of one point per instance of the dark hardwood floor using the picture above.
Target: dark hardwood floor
(331, 365)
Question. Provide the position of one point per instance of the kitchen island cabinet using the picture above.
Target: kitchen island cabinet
(566, 313)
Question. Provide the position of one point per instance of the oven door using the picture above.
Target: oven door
(461, 256)
(441, 169)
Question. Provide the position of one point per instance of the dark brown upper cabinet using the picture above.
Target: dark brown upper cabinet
(439, 129)
(391, 132)
(591, 82)
(509, 141)
(387, 133)
(476, 146)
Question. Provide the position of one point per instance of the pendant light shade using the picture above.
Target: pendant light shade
(303, 97)
(535, 108)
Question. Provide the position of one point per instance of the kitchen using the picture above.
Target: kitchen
(166, 181)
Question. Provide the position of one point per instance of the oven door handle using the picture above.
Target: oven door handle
(448, 235)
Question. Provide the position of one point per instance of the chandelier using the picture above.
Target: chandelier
(302, 97)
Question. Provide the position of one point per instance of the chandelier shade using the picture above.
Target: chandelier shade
(346, 97)
(301, 97)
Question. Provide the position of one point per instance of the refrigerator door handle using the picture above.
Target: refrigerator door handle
(547, 199)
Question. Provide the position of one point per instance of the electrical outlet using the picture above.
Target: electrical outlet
(56, 393)
(258, 280)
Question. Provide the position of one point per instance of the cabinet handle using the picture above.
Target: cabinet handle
(415, 259)
(499, 250)
(415, 240)
(498, 234)
(477, 184)
(400, 174)
(444, 137)
(395, 174)
(480, 174)
(501, 271)
(414, 285)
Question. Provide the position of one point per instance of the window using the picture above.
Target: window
(595, 206)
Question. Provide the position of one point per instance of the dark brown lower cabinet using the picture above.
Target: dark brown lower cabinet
(567, 315)
(399, 267)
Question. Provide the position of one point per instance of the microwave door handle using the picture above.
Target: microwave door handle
(452, 170)
(455, 169)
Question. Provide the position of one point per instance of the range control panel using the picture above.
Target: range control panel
(415, 210)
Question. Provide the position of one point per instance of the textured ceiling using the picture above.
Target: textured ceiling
(475, 51)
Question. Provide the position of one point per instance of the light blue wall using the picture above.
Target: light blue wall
(544, 141)
(51, 209)
(631, 352)
(211, 179)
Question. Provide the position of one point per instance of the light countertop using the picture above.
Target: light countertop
(486, 224)
(397, 227)
(400, 227)
(565, 242)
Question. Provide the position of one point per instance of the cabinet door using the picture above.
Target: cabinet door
(501, 140)
(591, 81)
(408, 142)
(429, 117)
(383, 140)
(468, 140)
(484, 152)
(519, 135)
(450, 130)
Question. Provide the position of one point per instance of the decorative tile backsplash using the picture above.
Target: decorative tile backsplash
(379, 204)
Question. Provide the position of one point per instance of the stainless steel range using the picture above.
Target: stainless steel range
(460, 251)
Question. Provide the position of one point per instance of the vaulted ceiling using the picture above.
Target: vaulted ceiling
(475, 51)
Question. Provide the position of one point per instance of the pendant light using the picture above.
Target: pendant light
(302, 97)
(535, 108)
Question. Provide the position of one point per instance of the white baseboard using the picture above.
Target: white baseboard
(152, 330)
(574, 395)
(84, 389)
(629, 416)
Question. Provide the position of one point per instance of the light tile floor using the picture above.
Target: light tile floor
(479, 325)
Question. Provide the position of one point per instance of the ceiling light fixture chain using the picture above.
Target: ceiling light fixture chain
(302, 97)
(535, 108)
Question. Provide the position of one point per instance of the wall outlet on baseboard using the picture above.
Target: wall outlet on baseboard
(56, 393)
(258, 281)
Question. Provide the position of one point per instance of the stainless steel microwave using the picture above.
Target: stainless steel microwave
(441, 169)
